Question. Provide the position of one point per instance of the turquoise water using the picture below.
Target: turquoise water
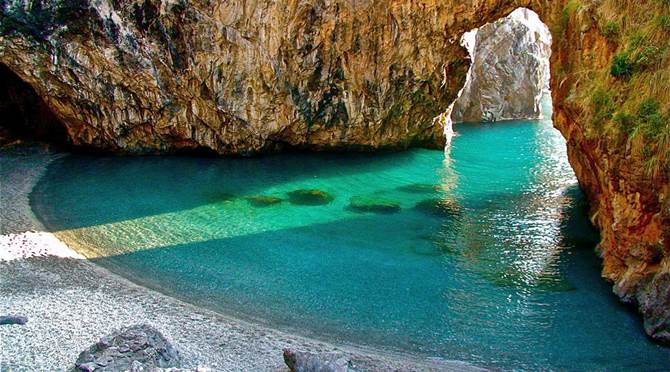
(483, 253)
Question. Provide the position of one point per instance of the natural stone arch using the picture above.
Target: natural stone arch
(240, 78)
(154, 76)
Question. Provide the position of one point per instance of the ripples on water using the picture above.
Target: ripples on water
(483, 254)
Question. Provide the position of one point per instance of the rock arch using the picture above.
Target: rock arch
(245, 77)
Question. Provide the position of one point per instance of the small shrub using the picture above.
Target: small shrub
(624, 122)
(610, 29)
(652, 122)
(663, 22)
(603, 107)
(621, 67)
(648, 107)
(654, 125)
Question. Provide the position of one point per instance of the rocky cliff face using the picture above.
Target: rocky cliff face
(240, 77)
(509, 72)
(237, 77)
(609, 62)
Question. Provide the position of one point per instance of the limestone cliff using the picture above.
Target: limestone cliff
(240, 77)
(509, 72)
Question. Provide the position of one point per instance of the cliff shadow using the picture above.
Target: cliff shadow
(85, 190)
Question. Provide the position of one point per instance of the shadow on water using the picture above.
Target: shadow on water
(498, 270)
(95, 190)
(335, 280)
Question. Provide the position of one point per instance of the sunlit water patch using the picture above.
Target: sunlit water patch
(482, 254)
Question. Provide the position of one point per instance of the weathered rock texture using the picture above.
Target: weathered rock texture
(136, 348)
(241, 77)
(509, 72)
(302, 361)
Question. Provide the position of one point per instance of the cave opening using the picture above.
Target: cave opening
(25, 116)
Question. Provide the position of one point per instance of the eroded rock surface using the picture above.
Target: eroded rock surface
(509, 72)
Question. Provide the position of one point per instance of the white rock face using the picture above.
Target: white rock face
(509, 72)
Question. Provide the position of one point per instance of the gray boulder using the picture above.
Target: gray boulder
(136, 348)
(509, 72)
(13, 319)
(301, 361)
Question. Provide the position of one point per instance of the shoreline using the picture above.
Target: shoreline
(70, 302)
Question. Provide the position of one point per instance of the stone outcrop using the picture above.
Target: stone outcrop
(509, 71)
(135, 348)
(237, 77)
(240, 77)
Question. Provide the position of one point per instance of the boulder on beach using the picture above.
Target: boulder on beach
(138, 347)
(302, 361)
(13, 319)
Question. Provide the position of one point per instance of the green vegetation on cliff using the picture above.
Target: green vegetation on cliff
(627, 100)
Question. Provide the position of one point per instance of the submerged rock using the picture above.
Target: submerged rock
(309, 197)
(139, 347)
(301, 361)
(418, 188)
(261, 201)
(218, 197)
(13, 319)
(439, 207)
(364, 204)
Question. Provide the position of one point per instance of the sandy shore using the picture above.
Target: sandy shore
(71, 303)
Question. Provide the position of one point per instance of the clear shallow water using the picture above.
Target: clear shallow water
(500, 273)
